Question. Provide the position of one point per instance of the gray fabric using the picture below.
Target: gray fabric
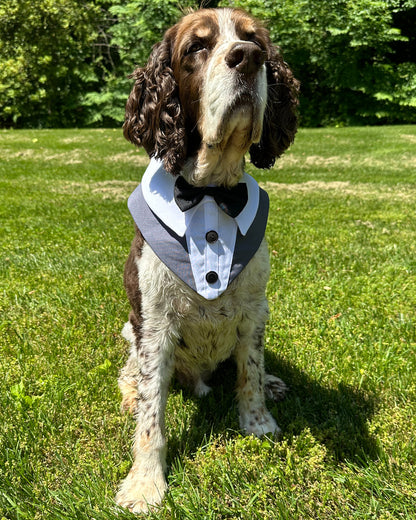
(246, 246)
(167, 245)
(172, 249)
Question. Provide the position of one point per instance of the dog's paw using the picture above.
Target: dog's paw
(274, 388)
(138, 493)
(259, 423)
(201, 389)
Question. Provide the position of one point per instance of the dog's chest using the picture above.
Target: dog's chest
(208, 330)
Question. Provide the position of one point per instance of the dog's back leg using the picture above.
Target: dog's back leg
(275, 388)
(127, 381)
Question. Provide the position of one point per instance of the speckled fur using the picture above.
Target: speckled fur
(200, 109)
(184, 333)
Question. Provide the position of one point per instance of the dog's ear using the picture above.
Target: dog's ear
(280, 118)
(154, 117)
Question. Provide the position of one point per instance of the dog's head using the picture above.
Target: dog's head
(215, 87)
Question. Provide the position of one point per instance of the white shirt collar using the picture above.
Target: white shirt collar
(158, 188)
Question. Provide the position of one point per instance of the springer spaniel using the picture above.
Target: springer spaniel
(212, 90)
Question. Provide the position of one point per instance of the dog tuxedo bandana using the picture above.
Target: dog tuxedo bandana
(206, 236)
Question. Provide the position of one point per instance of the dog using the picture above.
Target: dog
(213, 89)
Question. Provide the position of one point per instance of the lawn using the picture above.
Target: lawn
(342, 335)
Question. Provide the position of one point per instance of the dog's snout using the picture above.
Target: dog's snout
(246, 58)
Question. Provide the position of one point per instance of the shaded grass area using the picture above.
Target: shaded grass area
(342, 334)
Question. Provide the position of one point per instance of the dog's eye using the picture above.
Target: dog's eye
(252, 37)
(194, 48)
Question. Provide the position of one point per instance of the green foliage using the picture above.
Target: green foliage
(45, 48)
(66, 62)
(342, 52)
(341, 334)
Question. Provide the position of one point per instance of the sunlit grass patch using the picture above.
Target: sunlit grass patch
(341, 333)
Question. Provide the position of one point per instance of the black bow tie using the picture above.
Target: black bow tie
(230, 200)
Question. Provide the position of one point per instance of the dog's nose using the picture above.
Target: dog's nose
(246, 57)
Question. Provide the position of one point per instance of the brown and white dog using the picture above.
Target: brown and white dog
(212, 90)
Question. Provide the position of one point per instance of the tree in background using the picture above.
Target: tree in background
(65, 62)
(352, 59)
(45, 60)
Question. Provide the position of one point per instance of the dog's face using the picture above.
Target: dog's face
(212, 89)
(219, 64)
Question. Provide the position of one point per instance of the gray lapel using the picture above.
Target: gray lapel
(172, 249)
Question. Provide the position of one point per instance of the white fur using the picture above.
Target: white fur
(219, 92)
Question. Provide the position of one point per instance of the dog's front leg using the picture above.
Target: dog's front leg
(249, 354)
(145, 485)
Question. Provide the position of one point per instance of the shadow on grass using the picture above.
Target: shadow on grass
(337, 418)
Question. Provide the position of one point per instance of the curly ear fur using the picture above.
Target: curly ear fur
(280, 119)
(154, 117)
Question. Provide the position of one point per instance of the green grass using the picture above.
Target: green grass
(342, 334)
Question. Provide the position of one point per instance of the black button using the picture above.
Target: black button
(211, 277)
(211, 236)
